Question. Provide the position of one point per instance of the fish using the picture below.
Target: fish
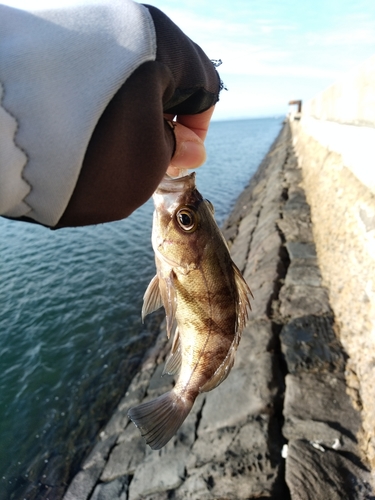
(206, 301)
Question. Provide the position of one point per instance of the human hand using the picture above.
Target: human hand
(190, 132)
(130, 150)
(131, 146)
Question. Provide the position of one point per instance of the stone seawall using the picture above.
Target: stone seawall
(282, 426)
(334, 142)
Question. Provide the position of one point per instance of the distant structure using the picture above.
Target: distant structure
(295, 115)
(298, 103)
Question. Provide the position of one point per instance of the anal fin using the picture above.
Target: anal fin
(243, 304)
(222, 372)
(173, 363)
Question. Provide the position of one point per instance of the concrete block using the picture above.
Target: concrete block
(309, 343)
(321, 397)
(302, 274)
(303, 300)
(301, 250)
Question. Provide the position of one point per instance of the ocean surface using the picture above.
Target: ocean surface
(71, 337)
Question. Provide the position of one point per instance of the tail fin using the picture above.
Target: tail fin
(159, 419)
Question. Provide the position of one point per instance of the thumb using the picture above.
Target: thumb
(190, 151)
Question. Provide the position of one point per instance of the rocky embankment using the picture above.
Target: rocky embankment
(283, 424)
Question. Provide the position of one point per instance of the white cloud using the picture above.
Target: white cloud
(359, 36)
(285, 49)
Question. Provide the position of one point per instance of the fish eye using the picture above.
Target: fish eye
(187, 219)
(210, 206)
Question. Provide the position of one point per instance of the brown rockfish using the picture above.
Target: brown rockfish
(205, 299)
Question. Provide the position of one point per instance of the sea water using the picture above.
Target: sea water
(71, 337)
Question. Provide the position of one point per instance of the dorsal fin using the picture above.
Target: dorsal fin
(243, 303)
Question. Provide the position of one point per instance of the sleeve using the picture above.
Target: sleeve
(60, 68)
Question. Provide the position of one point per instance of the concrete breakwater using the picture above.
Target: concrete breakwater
(334, 142)
(282, 425)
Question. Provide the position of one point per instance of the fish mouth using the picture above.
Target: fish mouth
(175, 184)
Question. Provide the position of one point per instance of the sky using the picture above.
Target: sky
(273, 51)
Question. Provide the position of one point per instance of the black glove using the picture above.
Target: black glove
(132, 144)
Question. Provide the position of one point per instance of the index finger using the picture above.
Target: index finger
(197, 123)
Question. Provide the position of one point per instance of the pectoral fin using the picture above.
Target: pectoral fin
(168, 297)
(160, 292)
(152, 299)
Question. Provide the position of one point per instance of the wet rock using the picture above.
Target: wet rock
(160, 471)
(124, 459)
(54, 472)
(100, 452)
(84, 482)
